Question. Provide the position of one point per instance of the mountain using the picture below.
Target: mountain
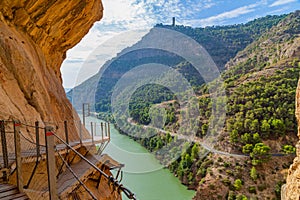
(260, 66)
(261, 84)
(256, 146)
(67, 89)
(221, 42)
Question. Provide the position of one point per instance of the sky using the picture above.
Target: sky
(124, 22)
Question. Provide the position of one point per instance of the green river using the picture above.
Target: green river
(142, 173)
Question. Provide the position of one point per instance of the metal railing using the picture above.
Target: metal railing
(24, 149)
(110, 179)
(29, 145)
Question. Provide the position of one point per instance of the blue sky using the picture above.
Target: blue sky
(121, 16)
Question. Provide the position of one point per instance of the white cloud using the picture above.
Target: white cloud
(278, 11)
(123, 15)
(132, 14)
(220, 18)
(120, 16)
(85, 60)
(281, 2)
(126, 14)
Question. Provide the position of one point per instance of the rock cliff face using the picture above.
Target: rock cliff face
(34, 38)
(291, 191)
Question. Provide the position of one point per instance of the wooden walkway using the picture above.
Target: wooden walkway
(67, 182)
(32, 154)
(11, 192)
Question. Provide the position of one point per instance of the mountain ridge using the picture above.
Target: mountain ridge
(260, 82)
(202, 34)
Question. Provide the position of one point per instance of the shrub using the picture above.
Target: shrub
(226, 164)
(252, 189)
(234, 136)
(247, 148)
(241, 197)
(238, 184)
(226, 182)
(253, 173)
(278, 189)
(260, 153)
(202, 181)
(212, 187)
(262, 187)
(229, 172)
(288, 149)
(231, 195)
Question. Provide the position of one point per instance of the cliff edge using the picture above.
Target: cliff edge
(34, 38)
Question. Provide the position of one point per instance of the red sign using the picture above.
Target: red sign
(49, 133)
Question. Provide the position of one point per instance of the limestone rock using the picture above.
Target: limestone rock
(34, 38)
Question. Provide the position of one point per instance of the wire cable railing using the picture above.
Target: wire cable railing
(23, 149)
(33, 154)
(110, 179)
(77, 178)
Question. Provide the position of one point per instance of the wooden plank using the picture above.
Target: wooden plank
(67, 182)
(19, 196)
(8, 193)
(4, 187)
(22, 198)
(110, 162)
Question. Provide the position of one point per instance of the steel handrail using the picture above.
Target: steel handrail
(110, 179)
(77, 178)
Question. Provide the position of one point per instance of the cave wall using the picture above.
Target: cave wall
(34, 38)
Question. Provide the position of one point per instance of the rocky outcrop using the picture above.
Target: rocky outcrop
(291, 190)
(34, 38)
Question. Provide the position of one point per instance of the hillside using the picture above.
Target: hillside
(260, 84)
(261, 68)
(222, 43)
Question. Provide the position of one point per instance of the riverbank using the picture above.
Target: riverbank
(142, 173)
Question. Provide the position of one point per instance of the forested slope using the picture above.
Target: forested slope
(221, 42)
(260, 64)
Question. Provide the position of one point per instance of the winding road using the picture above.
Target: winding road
(203, 144)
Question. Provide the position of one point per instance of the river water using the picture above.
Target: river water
(142, 173)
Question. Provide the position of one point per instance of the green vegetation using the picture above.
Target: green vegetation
(241, 197)
(143, 99)
(260, 107)
(253, 173)
(278, 189)
(263, 109)
(260, 83)
(252, 189)
(238, 184)
(223, 42)
(289, 149)
(260, 153)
